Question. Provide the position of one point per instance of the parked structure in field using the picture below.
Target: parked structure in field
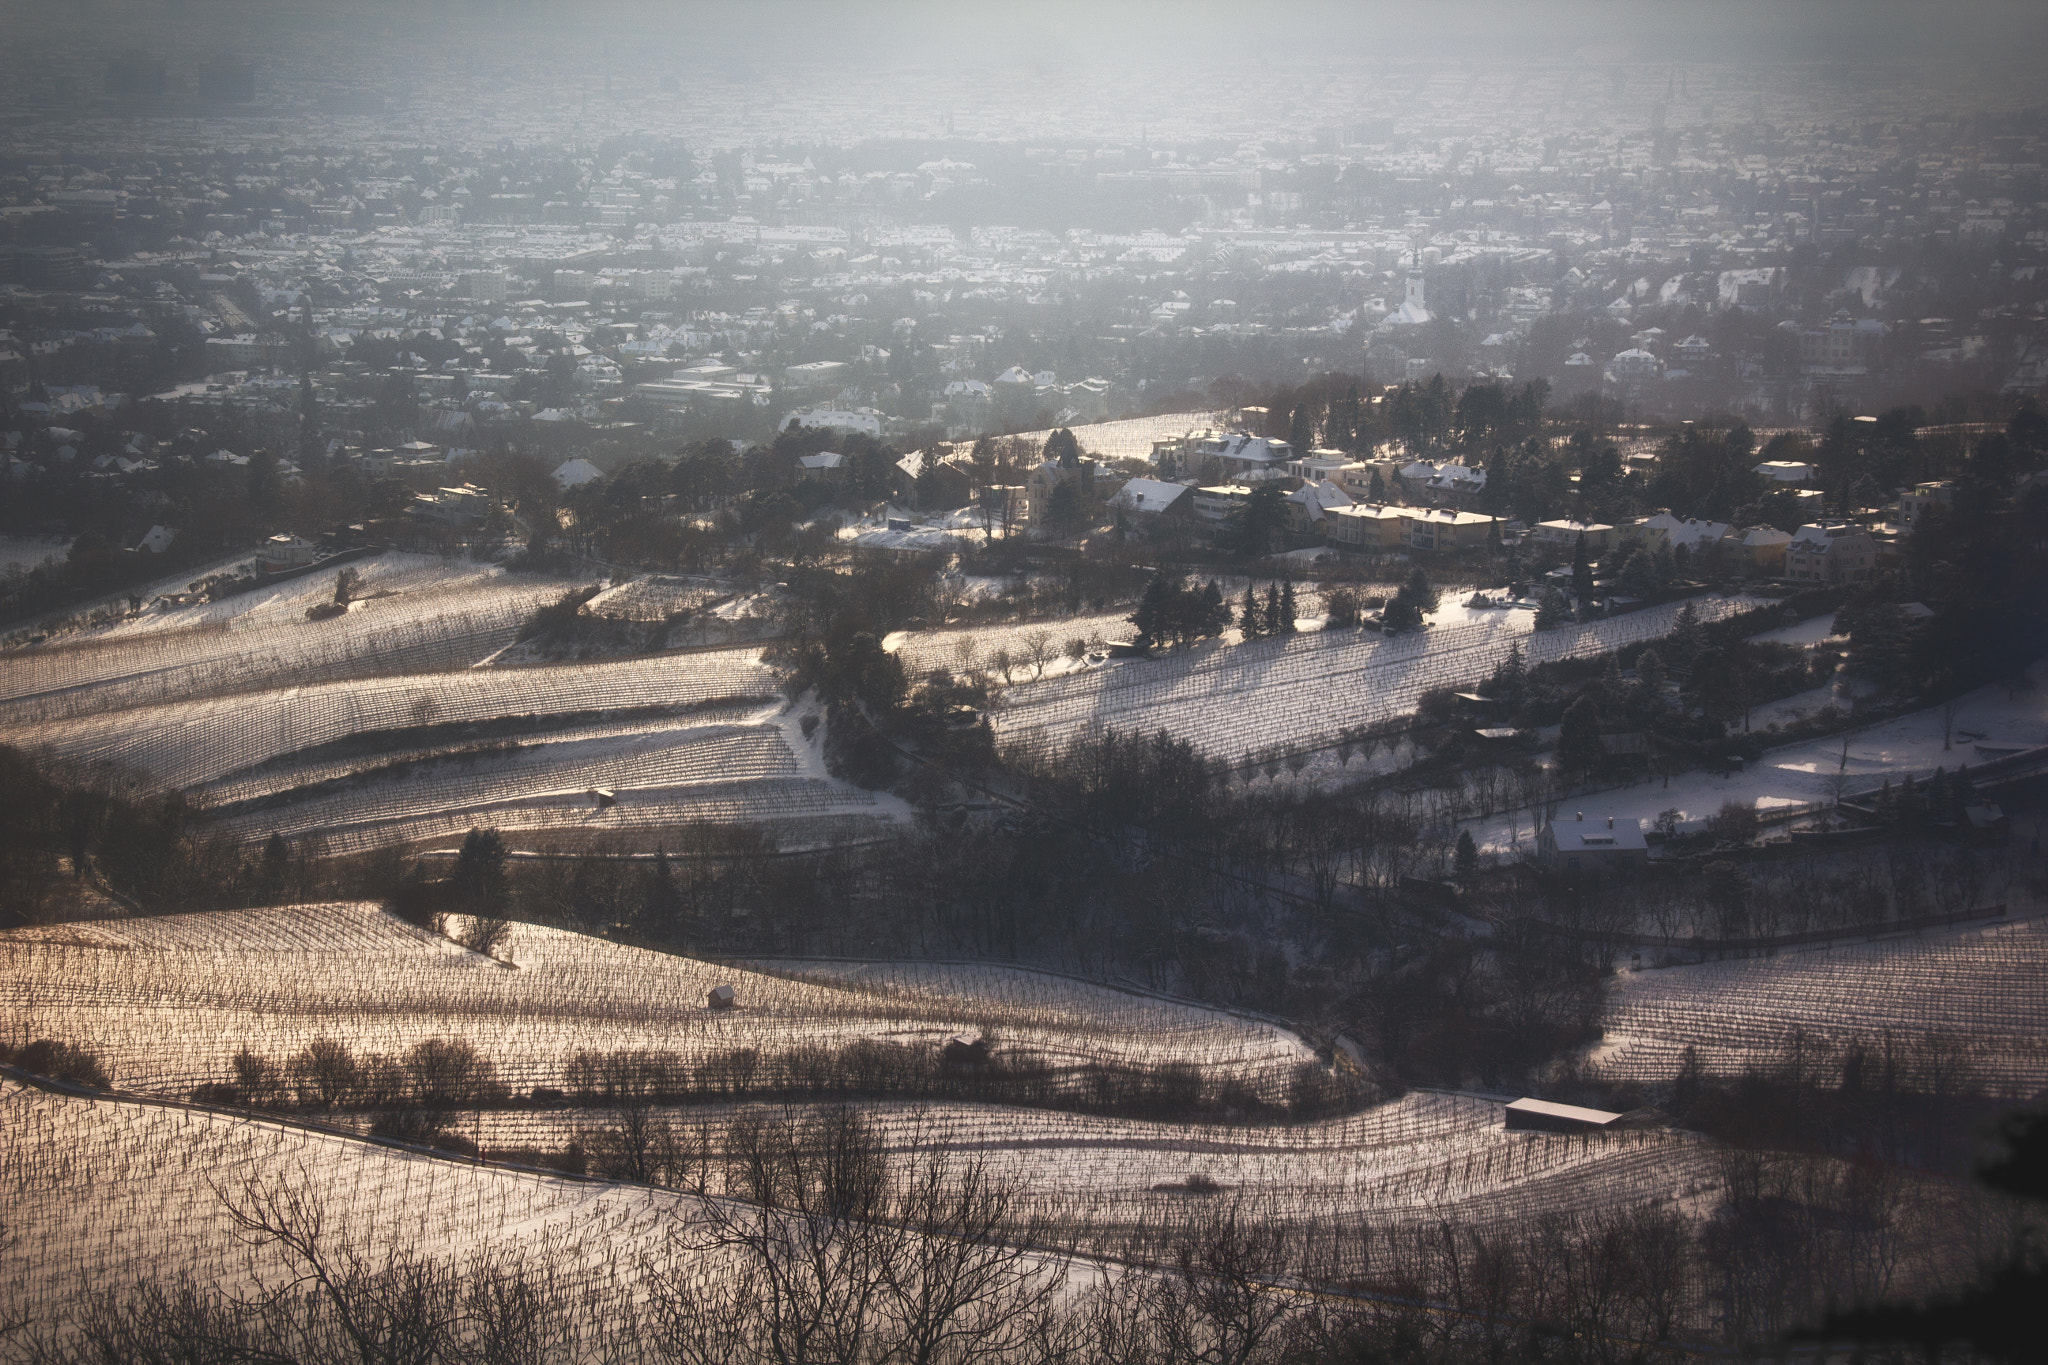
(722, 998)
(1543, 1116)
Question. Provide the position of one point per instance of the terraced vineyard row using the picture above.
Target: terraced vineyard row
(1308, 688)
(168, 1002)
(187, 743)
(1982, 995)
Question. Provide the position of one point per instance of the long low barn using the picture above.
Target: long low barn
(1542, 1116)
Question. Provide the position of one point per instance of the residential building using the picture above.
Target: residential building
(575, 473)
(284, 552)
(1914, 502)
(1432, 528)
(1238, 454)
(1367, 527)
(1786, 471)
(1599, 535)
(1664, 531)
(1148, 500)
(1760, 551)
(1830, 552)
(1845, 345)
(828, 466)
(1309, 506)
(1581, 845)
(1218, 503)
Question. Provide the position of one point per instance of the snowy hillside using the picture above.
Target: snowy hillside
(168, 1001)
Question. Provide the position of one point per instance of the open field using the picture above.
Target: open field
(1130, 438)
(168, 1001)
(1981, 994)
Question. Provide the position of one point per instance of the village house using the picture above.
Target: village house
(1615, 844)
(1048, 475)
(1665, 531)
(1218, 503)
(1914, 501)
(1760, 551)
(1599, 535)
(1431, 528)
(1309, 506)
(827, 466)
(575, 473)
(1229, 457)
(1151, 500)
(284, 552)
(1367, 528)
(1830, 552)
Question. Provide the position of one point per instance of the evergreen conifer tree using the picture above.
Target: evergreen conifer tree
(1287, 607)
(1578, 740)
(1467, 857)
(1213, 616)
(1271, 625)
(1249, 619)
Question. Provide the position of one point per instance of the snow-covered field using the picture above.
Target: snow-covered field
(107, 1192)
(101, 1193)
(438, 615)
(1233, 699)
(1422, 1157)
(191, 742)
(1801, 773)
(734, 765)
(1131, 438)
(1982, 992)
(168, 1001)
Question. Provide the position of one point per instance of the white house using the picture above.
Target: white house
(1153, 498)
(1830, 552)
(577, 472)
(1665, 529)
(1580, 844)
(1786, 471)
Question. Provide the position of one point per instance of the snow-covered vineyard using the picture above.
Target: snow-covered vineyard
(1304, 690)
(730, 770)
(1972, 1002)
(437, 616)
(1422, 1157)
(102, 1193)
(167, 1002)
(189, 743)
(318, 728)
